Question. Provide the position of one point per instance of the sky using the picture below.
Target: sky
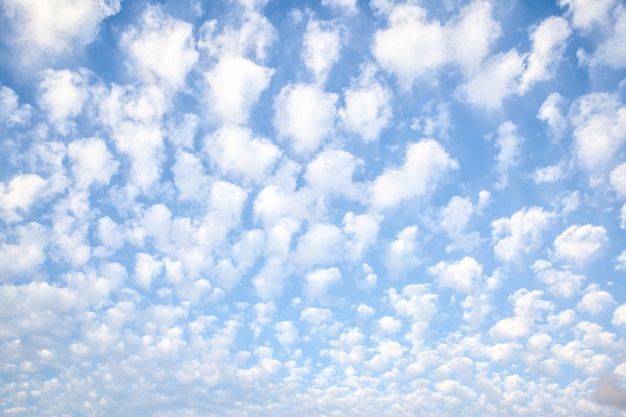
(313, 208)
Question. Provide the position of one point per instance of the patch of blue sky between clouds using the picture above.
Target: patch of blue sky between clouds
(331, 207)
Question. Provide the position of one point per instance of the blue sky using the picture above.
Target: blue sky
(329, 208)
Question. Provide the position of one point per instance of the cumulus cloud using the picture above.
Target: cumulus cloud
(584, 15)
(611, 51)
(508, 143)
(20, 193)
(321, 48)
(551, 112)
(577, 244)
(348, 7)
(92, 163)
(521, 233)
(367, 108)
(424, 165)
(318, 282)
(595, 300)
(52, 29)
(402, 252)
(11, 112)
(610, 391)
(305, 115)
(62, 95)
(462, 276)
(161, 48)
(563, 283)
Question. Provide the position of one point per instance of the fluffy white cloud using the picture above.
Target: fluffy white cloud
(521, 233)
(321, 48)
(424, 165)
(349, 7)
(236, 84)
(236, 152)
(577, 244)
(92, 163)
(508, 143)
(496, 81)
(549, 174)
(323, 243)
(528, 309)
(549, 40)
(305, 114)
(19, 193)
(363, 230)
(595, 300)
(189, 176)
(416, 302)
(599, 121)
(563, 283)
(161, 48)
(585, 14)
(611, 51)
(619, 316)
(402, 252)
(367, 110)
(11, 112)
(55, 28)
(62, 95)
(331, 172)
(286, 333)
(454, 218)
(25, 252)
(413, 47)
(462, 276)
(618, 180)
(317, 283)
(620, 264)
(551, 112)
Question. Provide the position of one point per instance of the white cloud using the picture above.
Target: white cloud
(331, 173)
(416, 302)
(599, 123)
(586, 14)
(551, 112)
(528, 309)
(236, 152)
(424, 165)
(321, 48)
(62, 95)
(20, 193)
(322, 244)
(610, 391)
(92, 163)
(454, 218)
(189, 177)
(363, 229)
(618, 180)
(496, 81)
(619, 316)
(348, 7)
(611, 51)
(11, 112)
(286, 333)
(304, 114)
(620, 264)
(548, 174)
(577, 244)
(623, 217)
(317, 283)
(162, 48)
(25, 252)
(595, 300)
(521, 233)
(320, 321)
(268, 282)
(367, 111)
(49, 29)
(563, 283)
(508, 143)
(549, 40)
(236, 84)
(462, 276)
(411, 47)
(476, 309)
(402, 252)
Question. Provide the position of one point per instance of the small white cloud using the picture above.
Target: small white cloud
(618, 180)
(19, 193)
(549, 174)
(551, 112)
(521, 233)
(236, 152)
(585, 14)
(147, 268)
(323, 243)
(189, 177)
(62, 95)
(611, 51)
(321, 48)
(363, 230)
(317, 283)
(161, 48)
(549, 40)
(402, 252)
(11, 112)
(462, 276)
(304, 114)
(236, 84)
(595, 300)
(563, 283)
(508, 144)
(620, 263)
(348, 7)
(331, 173)
(416, 302)
(286, 333)
(599, 132)
(577, 244)
(424, 165)
(496, 81)
(55, 28)
(619, 316)
(367, 111)
(92, 163)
